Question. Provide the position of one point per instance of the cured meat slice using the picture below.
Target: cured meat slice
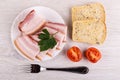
(57, 35)
(42, 55)
(46, 54)
(32, 23)
(59, 27)
(28, 47)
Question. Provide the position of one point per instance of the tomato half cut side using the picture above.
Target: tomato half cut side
(74, 54)
(93, 54)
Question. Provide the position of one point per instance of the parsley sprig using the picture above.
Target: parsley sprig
(47, 40)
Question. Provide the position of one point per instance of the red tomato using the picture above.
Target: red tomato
(93, 54)
(74, 54)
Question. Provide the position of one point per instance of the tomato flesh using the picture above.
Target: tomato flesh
(93, 54)
(74, 54)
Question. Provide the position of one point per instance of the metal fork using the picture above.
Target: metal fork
(36, 68)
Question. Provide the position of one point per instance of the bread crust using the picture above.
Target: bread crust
(81, 30)
(89, 13)
(78, 11)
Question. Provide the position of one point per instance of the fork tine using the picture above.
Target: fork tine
(25, 68)
(25, 65)
(35, 68)
(31, 68)
(28, 70)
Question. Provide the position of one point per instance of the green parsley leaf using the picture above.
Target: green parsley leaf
(46, 32)
(47, 41)
(43, 36)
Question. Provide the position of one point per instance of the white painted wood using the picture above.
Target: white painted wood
(108, 68)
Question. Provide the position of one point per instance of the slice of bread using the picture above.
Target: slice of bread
(90, 31)
(89, 11)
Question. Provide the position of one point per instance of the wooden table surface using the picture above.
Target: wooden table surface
(108, 68)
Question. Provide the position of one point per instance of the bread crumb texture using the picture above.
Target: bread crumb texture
(90, 31)
(89, 11)
(89, 23)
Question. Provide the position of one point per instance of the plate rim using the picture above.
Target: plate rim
(13, 25)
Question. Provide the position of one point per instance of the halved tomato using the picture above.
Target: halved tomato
(74, 54)
(93, 54)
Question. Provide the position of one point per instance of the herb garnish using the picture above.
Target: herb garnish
(47, 40)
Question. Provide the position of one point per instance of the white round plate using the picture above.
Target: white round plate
(49, 15)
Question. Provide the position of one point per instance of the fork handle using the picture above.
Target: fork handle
(81, 70)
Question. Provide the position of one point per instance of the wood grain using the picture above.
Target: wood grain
(106, 69)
